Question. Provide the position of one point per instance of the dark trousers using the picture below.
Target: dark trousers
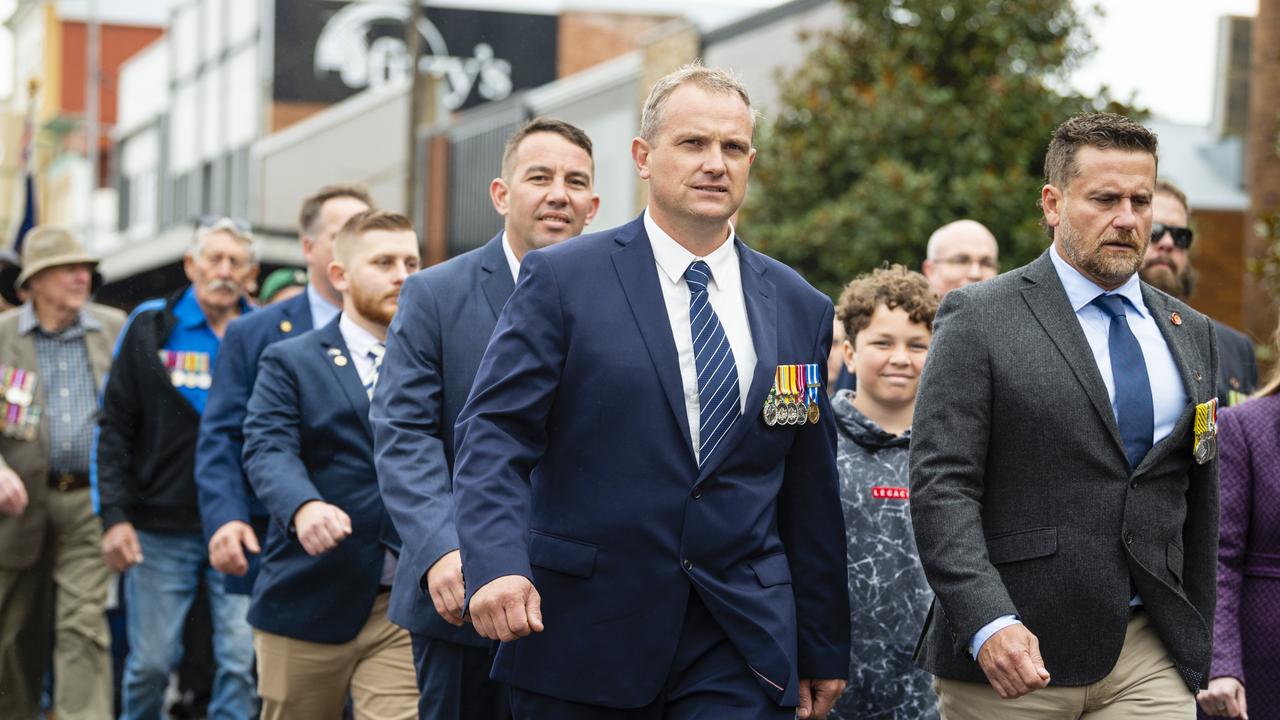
(454, 684)
(709, 680)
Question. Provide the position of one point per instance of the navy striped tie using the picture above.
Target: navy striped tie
(376, 352)
(718, 394)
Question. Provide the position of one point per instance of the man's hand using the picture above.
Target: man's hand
(120, 547)
(13, 493)
(321, 526)
(1224, 698)
(444, 583)
(228, 545)
(817, 697)
(507, 608)
(1011, 659)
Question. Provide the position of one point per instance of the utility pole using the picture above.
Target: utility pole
(413, 42)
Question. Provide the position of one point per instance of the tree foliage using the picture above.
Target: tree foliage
(911, 114)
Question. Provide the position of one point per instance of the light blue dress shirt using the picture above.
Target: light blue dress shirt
(322, 311)
(1169, 396)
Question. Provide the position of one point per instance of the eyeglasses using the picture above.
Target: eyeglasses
(1182, 236)
(986, 263)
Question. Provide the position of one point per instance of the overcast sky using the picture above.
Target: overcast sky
(1162, 53)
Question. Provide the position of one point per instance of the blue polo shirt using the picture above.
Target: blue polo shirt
(192, 334)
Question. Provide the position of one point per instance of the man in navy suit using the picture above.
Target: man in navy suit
(319, 608)
(447, 314)
(232, 517)
(642, 538)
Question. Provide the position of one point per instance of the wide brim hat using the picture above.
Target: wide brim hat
(45, 247)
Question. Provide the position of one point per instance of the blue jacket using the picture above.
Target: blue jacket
(446, 316)
(574, 469)
(223, 490)
(307, 437)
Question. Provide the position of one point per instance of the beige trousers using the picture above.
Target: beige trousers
(1144, 685)
(71, 565)
(300, 680)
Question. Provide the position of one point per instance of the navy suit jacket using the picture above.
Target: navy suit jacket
(1237, 364)
(223, 491)
(307, 437)
(446, 316)
(575, 469)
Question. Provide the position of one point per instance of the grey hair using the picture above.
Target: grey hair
(712, 79)
(228, 226)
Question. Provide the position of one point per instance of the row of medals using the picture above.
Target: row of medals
(191, 379)
(20, 417)
(789, 410)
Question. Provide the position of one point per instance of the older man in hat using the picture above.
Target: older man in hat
(54, 353)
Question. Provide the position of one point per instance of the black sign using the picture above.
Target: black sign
(327, 50)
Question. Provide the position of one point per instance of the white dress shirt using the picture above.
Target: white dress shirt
(724, 292)
(513, 263)
(359, 341)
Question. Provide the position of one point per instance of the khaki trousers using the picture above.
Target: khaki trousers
(300, 680)
(1144, 685)
(70, 563)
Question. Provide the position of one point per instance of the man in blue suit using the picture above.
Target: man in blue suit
(319, 608)
(447, 314)
(639, 529)
(232, 517)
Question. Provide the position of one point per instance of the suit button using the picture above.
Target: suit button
(1128, 538)
(697, 493)
(688, 566)
(1133, 484)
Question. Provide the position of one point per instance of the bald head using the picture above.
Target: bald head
(960, 253)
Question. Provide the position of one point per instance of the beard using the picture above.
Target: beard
(1106, 267)
(374, 307)
(1162, 275)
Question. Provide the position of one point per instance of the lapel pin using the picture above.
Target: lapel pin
(1175, 318)
(1199, 377)
(340, 360)
(1235, 383)
(286, 326)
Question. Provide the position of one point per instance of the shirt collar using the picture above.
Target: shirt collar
(322, 311)
(190, 315)
(358, 340)
(1081, 290)
(27, 321)
(673, 258)
(512, 261)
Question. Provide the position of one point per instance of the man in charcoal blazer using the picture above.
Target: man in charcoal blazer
(1061, 513)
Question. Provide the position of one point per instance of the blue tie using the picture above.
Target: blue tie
(718, 395)
(1134, 410)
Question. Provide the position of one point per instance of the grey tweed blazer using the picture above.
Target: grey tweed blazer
(1022, 499)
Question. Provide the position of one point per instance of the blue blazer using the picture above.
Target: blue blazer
(446, 316)
(575, 469)
(307, 437)
(223, 491)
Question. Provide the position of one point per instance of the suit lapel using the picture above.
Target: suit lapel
(762, 316)
(298, 312)
(344, 372)
(638, 273)
(496, 281)
(1049, 303)
(1182, 346)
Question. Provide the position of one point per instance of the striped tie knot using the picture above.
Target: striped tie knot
(698, 275)
(376, 351)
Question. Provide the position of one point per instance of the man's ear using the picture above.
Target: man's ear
(1051, 203)
(640, 154)
(338, 276)
(500, 195)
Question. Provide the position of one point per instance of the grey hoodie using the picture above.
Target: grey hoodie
(888, 594)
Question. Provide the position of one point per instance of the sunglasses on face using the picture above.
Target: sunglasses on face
(1182, 236)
